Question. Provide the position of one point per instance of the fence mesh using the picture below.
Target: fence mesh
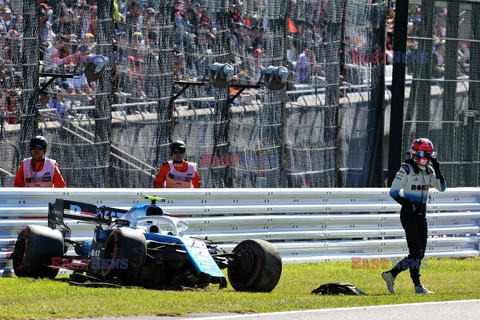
(443, 102)
(324, 129)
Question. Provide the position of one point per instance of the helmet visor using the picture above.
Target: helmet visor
(423, 154)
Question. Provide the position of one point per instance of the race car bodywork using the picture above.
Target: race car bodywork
(141, 246)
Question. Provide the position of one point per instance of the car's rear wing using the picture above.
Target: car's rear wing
(79, 211)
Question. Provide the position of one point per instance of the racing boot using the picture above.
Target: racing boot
(390, 281)
(420, 289)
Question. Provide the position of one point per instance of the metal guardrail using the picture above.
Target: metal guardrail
(305, 225)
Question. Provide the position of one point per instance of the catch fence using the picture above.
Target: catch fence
(325, 128)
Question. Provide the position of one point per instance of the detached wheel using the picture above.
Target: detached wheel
(34, 249)
(257, 266)
(124, 253)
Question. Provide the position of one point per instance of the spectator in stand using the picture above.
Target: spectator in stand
(303, 66)
(138, 43)
(39, 171)
(7, 74)
(57, 104)
(391, 16)
(45, 29)
(148, 22)
(463, 59)
(135, 78)
(2, 73)
(151, 84)
(257, 38)
(51, 56)
(43, 100)
(133, 16)
(89, 39)
(46, 34)
(80, 84)
(92, 21)
(13, 49)
(67, 22)
(44, 104)
(138, 79)
(441, 23)
(179, 69)
(438, 60)
(10, 106)
(5, 20)
(57, 55)
(121, 48)
(237, 41)
(180, 31)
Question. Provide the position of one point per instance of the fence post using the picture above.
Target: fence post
(398, 91)
(103, 96)
(30, 59)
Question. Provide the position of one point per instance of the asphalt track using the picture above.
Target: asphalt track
(442, 310)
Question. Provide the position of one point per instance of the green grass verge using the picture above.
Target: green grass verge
(451, 279)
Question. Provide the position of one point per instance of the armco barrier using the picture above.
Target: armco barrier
(305, 225)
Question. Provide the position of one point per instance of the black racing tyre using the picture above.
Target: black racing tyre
(126, 249)
(257, 266)
(34, 249)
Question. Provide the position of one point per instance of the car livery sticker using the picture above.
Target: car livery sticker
(201, 258)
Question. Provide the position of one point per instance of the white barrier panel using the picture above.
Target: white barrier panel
(304, 224)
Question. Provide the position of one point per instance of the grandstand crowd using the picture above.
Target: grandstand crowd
(68, 33)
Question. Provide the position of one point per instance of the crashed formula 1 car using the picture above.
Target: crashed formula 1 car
(142, 246)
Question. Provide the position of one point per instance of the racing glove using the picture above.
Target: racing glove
(409, 207)
(436, 168)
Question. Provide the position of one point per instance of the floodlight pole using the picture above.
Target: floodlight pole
(242, 88)
(53, 76)
(186, 85)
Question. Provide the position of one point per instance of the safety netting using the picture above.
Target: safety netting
(111, 83)
(442, 95)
